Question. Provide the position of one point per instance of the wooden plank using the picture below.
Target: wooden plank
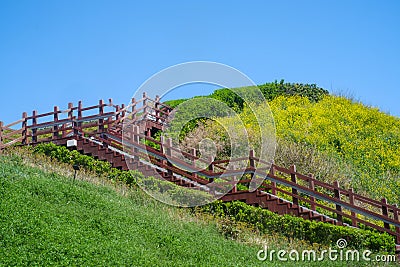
(295, 199)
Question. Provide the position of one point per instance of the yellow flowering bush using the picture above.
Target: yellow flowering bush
(334, 138)
(364, 137)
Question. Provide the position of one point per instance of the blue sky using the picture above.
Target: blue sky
(55, 52)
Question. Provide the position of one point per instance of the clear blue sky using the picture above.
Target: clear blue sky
(54, 52)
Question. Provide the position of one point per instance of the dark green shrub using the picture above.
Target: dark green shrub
(295, 227)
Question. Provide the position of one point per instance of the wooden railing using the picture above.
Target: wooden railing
(94, 119)
(105, 122)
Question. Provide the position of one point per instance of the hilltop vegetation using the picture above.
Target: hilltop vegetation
(333, 137)
(366, 140)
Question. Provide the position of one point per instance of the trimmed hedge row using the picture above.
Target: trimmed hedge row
(294, 227)
(166, 190)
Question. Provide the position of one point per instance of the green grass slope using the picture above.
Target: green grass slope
(48, 219)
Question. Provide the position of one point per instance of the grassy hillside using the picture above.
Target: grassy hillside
(48, 219)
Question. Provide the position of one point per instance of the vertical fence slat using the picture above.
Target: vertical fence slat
(273, 184)
(123, 111)
(100, 122)
(193, 160)
(133, 109)
(396, 218)
(168, 152)
(337, 196)
(353, 214)
(295, 200)
(135, 140)
(24, 128)
(385, 212)
(55, 119)
(78, 125)
(70, 118)
(157, 107)
(144, 105)
(117, 112)
(252, 165)
(34, 122)
(1, 135)
(211, 180)
(312, 187)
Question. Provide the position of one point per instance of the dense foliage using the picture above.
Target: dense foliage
(295, 227)
(334, 138)
(270, 91)
(365, 138)
(174, 193)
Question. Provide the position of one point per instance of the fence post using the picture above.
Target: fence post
(273, 184)
(312, 187)
(1, 135)
(193, 153)
(34, 130)
(168, 152)
(252, 166)
(100, 122)
(385, 212)
(136, 139)
(353, 214)
(396, 218)
(24, 128)
(78, 128)
(123, 111)
(70, 117)
(211, 180)
(133, 109)
(162, 149)
(337, 196)
(251, 159)
(295, 200)
(144, 105)
(55, 127)
(156, 107)
(117, 111)
(109, 119)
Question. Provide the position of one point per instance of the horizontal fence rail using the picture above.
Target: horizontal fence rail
(117, 126)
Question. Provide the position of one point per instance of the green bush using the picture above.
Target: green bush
(294, 227)
(131, 178)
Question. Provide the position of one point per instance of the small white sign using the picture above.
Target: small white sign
(71, 143)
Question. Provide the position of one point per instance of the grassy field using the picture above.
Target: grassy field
(47, 218)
